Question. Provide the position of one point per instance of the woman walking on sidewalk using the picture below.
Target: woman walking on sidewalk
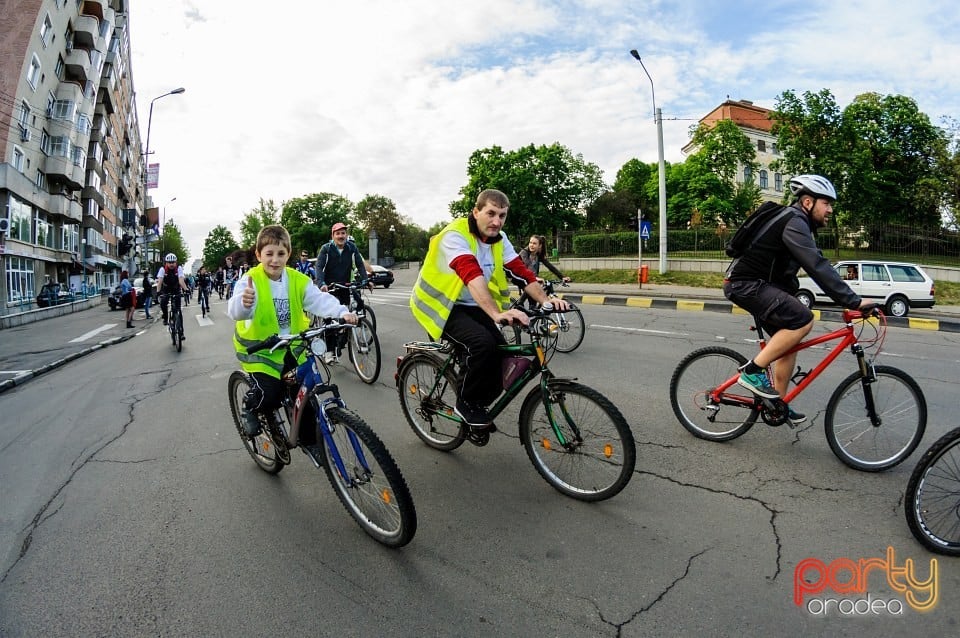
(128, 297)
(148, 293)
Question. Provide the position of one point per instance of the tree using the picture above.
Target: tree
(379, 213)
(548, 186)
(219, 244)
(264, 215)
(723, 149)
(172, 242)
(632, 180)
(614, 209)
(309, 219)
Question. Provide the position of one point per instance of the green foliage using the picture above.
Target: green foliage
(722, 148)
(263, 215)
(219, 244)
(548, 186)
(309, 219)
(631, 182)
(171, 241)
(614, 209)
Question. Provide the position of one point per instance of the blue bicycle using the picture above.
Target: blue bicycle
(357, 463)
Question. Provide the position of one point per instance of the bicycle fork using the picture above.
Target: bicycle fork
(868, 376)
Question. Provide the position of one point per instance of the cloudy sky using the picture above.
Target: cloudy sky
(391, 97)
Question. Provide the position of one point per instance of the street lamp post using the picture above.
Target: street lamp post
(163, 228)
(146, 152)
(83, 265)
(658, 120)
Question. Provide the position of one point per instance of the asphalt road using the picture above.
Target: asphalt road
(130, 508)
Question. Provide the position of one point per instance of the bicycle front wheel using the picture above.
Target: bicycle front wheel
(571, 329)
(370, 314)
(367, 480)
(932, 502)
(427, 400)
(577, 440)
(900, 407)
(260, 448)
(178, 332)
(691, 395)
(363, 348)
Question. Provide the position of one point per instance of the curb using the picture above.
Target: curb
(702, 305)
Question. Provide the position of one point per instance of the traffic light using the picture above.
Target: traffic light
(124, 247)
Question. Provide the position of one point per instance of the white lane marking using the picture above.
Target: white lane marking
(204, 321)
(93, 333)
(645, 330)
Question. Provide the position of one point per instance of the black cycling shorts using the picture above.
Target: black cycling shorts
(775, 307)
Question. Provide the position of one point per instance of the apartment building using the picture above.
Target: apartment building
(754, 121)
(72, 161)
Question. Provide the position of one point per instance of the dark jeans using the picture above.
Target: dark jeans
(337, 339)
(164, 300)
(477, 335)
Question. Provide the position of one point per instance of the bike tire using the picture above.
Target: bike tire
(855, 440)
(370, 314)
(430, 413)
(932, 501)
(363, 348)
(601, 454)
(571, 329)
(694, 379)
(178, 333)
(373, 491)
(260, 448)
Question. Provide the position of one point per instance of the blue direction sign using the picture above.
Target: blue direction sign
(645, 230)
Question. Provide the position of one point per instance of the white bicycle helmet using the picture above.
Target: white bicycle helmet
(812, 185)
(170, 258)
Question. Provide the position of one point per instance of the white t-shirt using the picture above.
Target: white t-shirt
(322, 304)
(453, 245)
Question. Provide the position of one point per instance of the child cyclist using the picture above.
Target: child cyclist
(273, 299)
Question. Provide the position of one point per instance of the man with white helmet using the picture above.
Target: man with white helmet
(763, 281)
(170, 281)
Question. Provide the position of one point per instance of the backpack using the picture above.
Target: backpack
(755, 226)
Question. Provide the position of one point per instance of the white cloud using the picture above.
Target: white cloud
(387, 97)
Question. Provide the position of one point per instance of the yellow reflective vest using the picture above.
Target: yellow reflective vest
(438, 287)
(264, 322)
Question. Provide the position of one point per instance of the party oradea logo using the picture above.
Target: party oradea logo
(865, 587)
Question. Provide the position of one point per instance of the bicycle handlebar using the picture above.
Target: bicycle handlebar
(277, 341)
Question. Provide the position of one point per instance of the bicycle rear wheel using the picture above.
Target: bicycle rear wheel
(901, 408)
(369, 484)
(260, 448)
(363, 348)
(571, 329)
(429, 409)
(370, 314)
(932, 504)
(691, 387)
(596, 458)
(178, 332)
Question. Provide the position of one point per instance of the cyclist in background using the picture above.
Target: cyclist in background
(335, 263)
(763, 281)
(230, 274)
(204, 284)
(218, 281)
(304, 266)
(170, 283)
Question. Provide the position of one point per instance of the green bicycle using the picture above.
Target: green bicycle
(575, 437)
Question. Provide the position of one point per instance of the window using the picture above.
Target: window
(874, 272)
(778, 182)
(747, 175)
(45, 141)
(41, 180)
(44, 231)
(63, 110)
(46, 30)
(24, 117)
(60, 146)
(78, 155)
(763, 180)
(20, 280)
(33, 73)
(18, 159)
(762, 146)
(58, 71)
(21, 221)
(905, 273)
(83, 124)
(776, 150)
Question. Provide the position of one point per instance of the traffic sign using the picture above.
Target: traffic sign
(645, 230)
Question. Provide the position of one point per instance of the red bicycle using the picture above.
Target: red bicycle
(874, 419)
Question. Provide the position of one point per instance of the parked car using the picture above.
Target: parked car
(380, 276)
(114, 299)
(52, 294)
(896, 285)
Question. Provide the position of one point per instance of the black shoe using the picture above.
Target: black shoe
(251, 423)
(164, 322)
(795, 417)
(129, 324)
(183, 337)
(472, 415)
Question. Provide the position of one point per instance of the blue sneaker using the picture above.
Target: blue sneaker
(759, 385)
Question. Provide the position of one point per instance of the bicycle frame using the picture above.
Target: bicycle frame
(847, 337)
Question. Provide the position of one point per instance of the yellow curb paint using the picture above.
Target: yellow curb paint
(737, 310)
(595, 300)
(689, 305)
(639, 302)
(924, 324)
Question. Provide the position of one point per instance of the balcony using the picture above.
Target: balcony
(77, 65)
(70, 91)
(105, 101)
(89, 221)
(96, 8)
(86, 32)
(62, 170)
(99, 131)
(89, 192)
